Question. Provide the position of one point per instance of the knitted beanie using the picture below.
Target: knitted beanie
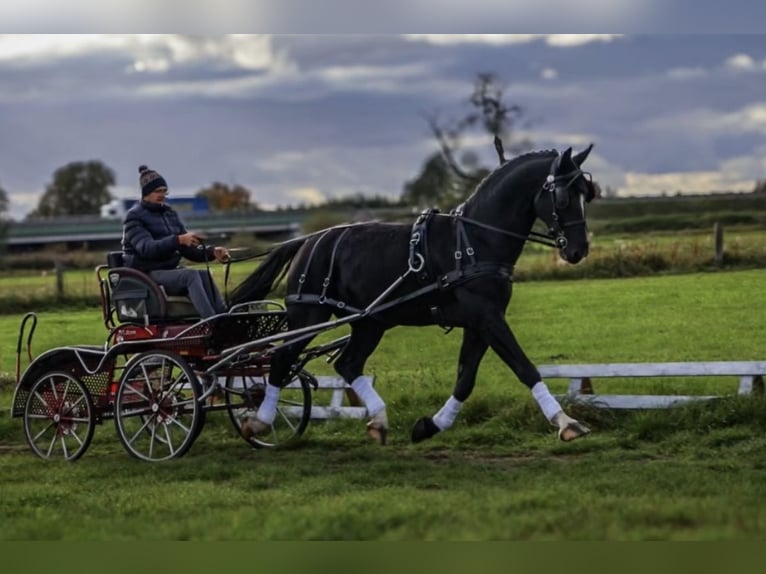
(150, 180)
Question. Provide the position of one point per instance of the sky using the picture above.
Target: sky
(300, 118)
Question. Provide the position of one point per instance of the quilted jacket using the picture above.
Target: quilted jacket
(150, 238)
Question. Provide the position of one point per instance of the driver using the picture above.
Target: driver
(154, 239)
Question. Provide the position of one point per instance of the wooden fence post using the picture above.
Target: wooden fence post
(59, 269)
(718, 234)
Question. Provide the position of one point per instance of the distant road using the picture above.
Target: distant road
(96, 230)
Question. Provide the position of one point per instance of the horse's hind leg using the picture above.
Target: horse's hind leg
(471, 353)
(281, 366)
(365, 336)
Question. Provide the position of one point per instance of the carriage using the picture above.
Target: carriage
(159, 372)
(161, 369)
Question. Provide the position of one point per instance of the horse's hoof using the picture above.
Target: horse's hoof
(424, 428)
(252, 427)
(377, 432)
(572, 431)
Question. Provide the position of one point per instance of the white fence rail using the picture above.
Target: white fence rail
(581, 389)
(750, 375)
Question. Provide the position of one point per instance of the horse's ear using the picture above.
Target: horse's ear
(582, 156)
(566, 157)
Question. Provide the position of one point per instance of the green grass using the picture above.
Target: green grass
(690, 473)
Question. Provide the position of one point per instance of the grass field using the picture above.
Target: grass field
(692, 473)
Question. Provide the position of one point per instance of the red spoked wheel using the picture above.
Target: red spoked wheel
(157, 411)
(59, 417)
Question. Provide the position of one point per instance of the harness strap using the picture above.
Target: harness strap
(462, 237)
(443, 282)
(302, 278)
(418, 254)
(326, 282)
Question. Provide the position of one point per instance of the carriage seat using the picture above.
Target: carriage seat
(135, 296)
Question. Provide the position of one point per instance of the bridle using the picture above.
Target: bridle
(559, 195)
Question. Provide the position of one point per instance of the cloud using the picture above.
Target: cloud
(22, 202)
(309, 195)
(751, 118)
(549, 74)
(752, 166)
(569, 40)
(559, 40)
(148, 52)
(738, 174)
(686, 73)
(744, 63)
(700, 182)
(35, 48)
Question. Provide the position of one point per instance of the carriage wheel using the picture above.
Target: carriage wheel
(245, 394)
(58, 417)
(157, 410)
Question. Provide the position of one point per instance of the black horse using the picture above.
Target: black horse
(450, 269)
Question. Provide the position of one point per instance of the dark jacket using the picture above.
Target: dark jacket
(150, 238)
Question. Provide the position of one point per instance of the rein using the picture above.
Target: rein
(533, 236)
(418, 257)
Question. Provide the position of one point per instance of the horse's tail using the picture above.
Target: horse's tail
(261, 281)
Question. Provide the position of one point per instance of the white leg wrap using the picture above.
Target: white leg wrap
(362, 386)
(549, 405)
(267, 412)
(445, 418)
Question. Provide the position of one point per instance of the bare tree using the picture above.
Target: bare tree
(462, 168)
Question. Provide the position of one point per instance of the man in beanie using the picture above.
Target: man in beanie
(154, 239)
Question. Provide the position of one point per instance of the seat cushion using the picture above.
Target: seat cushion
(179, 307)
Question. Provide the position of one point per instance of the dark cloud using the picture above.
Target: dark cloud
(345, 114)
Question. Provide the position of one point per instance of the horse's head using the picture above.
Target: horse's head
(561, 204)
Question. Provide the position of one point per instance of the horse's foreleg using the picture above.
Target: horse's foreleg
(281, 367)
(471, 353)
(365, 336)
(499, 336)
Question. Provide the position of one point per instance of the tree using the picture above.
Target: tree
(3, 203)
(450, 176)
(438, 186)
(78, 188)
(3, 216)
(221, 197)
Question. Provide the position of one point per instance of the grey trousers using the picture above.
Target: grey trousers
(197, 284)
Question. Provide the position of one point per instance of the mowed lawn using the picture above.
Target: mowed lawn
(500, 473)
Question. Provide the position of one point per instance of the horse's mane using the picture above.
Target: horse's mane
(491, 179)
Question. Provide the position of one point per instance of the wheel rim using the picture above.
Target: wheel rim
(157, 412)
(58, 417)
(244, 395)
